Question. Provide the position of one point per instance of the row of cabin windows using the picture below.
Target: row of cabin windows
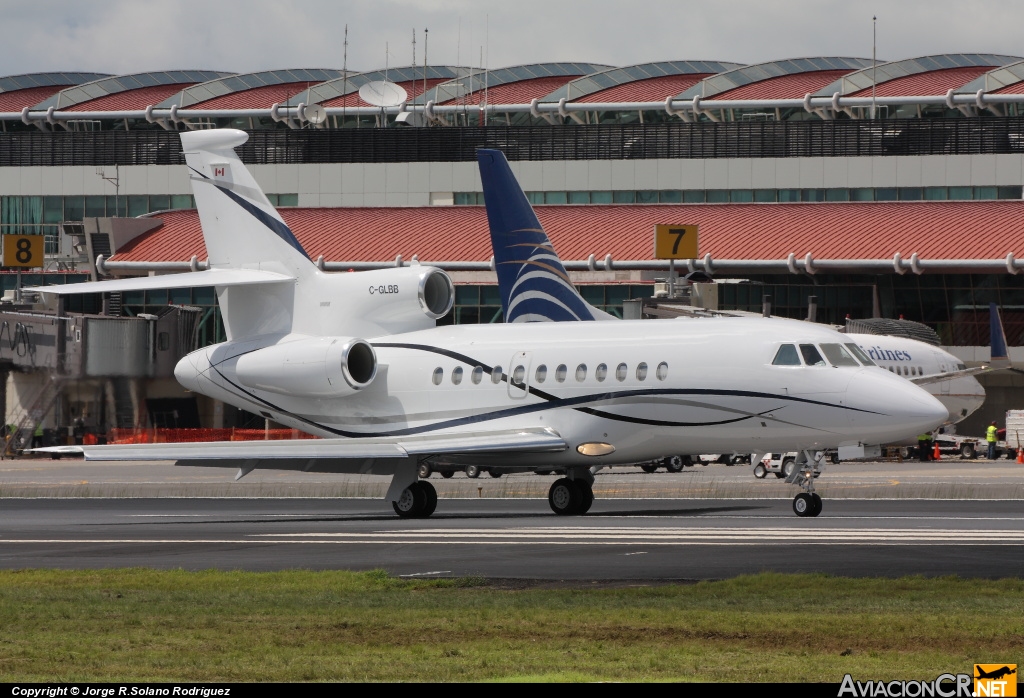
(906, 370)
(836, 354)
(540, 375)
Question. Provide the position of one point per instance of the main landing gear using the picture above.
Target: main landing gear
(572, 495)
(418, 501)
(807, 463)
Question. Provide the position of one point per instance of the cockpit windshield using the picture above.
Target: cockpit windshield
(786, 356)
(860, 354)
(811, 355)
(837, 355)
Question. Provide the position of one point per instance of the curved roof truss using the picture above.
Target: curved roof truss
(459, 87)
(884, 72)
(745, 75)
(341, 86)
(224, 84)
(88, 91)
(597, 82)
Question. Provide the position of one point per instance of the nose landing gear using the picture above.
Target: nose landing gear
(806, 467)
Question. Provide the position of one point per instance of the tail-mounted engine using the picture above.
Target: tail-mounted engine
(315, 367)
(386, 301)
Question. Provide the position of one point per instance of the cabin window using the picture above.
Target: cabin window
(811, 355)
(438, 376)
(961, 367)
(601, 372)
(496, 374)
(478, 375)
(561, 372)
(541, 374)
(786, 356)
(641, 371)
(860, 354)
(581, 373)
(456, 375)
(837, 355)
(620, 372)
(518, 375)
(662, 372)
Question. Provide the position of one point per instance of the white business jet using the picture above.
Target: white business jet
(356, 359)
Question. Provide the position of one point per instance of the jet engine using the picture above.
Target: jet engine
(315, 367)
(385, 301)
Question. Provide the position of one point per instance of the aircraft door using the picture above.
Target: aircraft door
(519, 375)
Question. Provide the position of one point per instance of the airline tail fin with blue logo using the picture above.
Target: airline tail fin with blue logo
(1000, 356)
(532, 280)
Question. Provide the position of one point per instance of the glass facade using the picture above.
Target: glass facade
(737, 196)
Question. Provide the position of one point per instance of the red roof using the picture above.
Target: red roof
(1014, 88)
(257, 97)
(792, 86)
(130, 99)
(932, 82)
(413, 88)
(16, 100)
(868, 230)
(518, 92)
(649, 90)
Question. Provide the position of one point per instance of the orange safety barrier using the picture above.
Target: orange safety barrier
(168, 436)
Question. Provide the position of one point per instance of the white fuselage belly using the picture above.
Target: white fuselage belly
(720, 392)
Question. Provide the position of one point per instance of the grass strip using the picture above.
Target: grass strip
(148, 625)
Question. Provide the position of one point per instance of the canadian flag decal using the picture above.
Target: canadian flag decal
(218, 171)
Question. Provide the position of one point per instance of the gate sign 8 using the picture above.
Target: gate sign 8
(675, 242)
(23, 250)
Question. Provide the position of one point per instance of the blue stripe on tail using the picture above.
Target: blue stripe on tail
(997, 338)
(534, 285)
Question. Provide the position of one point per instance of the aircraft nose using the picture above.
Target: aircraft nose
(907, 408)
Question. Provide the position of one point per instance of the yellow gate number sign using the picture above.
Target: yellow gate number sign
(675, 242)
(23, 251)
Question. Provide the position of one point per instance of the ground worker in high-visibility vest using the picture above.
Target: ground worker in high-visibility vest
(924, 446)
(991, 435)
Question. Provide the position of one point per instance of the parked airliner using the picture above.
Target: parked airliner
(357, 359)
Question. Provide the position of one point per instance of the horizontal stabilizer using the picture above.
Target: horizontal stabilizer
(230, 452)
(948, 376)
(192, 279)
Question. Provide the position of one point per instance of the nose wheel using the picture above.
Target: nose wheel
(807, 504)
(804, 470)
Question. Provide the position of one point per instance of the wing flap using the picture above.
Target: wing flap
(515, 440)
(190, 279)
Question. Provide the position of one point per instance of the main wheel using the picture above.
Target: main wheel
(586, 496)
(817, 503)
(473, 471)
(674, 464)
(429, 497)
(494, 473)
(648, 467)
(967, 451)
(760, 471)
(564, 497)
(803, 504)
(424, 470)
(411, 502)
(446, 474)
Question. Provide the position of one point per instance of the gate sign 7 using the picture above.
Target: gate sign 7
(23, 250)
(675, 242)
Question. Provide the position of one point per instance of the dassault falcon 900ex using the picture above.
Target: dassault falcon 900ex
(357, 359)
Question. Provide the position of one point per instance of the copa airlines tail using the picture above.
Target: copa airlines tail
(999, 355)
(533, 283)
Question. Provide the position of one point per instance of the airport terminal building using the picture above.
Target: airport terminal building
(889, 190)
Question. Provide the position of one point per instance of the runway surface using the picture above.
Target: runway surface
(625, 540)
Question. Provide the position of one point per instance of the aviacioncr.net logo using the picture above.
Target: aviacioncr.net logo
(995, 680)
(943, 686)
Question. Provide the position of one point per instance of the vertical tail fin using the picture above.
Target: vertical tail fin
(533, 283)
(240, 226)
(1000, 356)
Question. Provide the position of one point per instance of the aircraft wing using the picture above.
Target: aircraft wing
(229, 453)
(189, 279)
(939, 377)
